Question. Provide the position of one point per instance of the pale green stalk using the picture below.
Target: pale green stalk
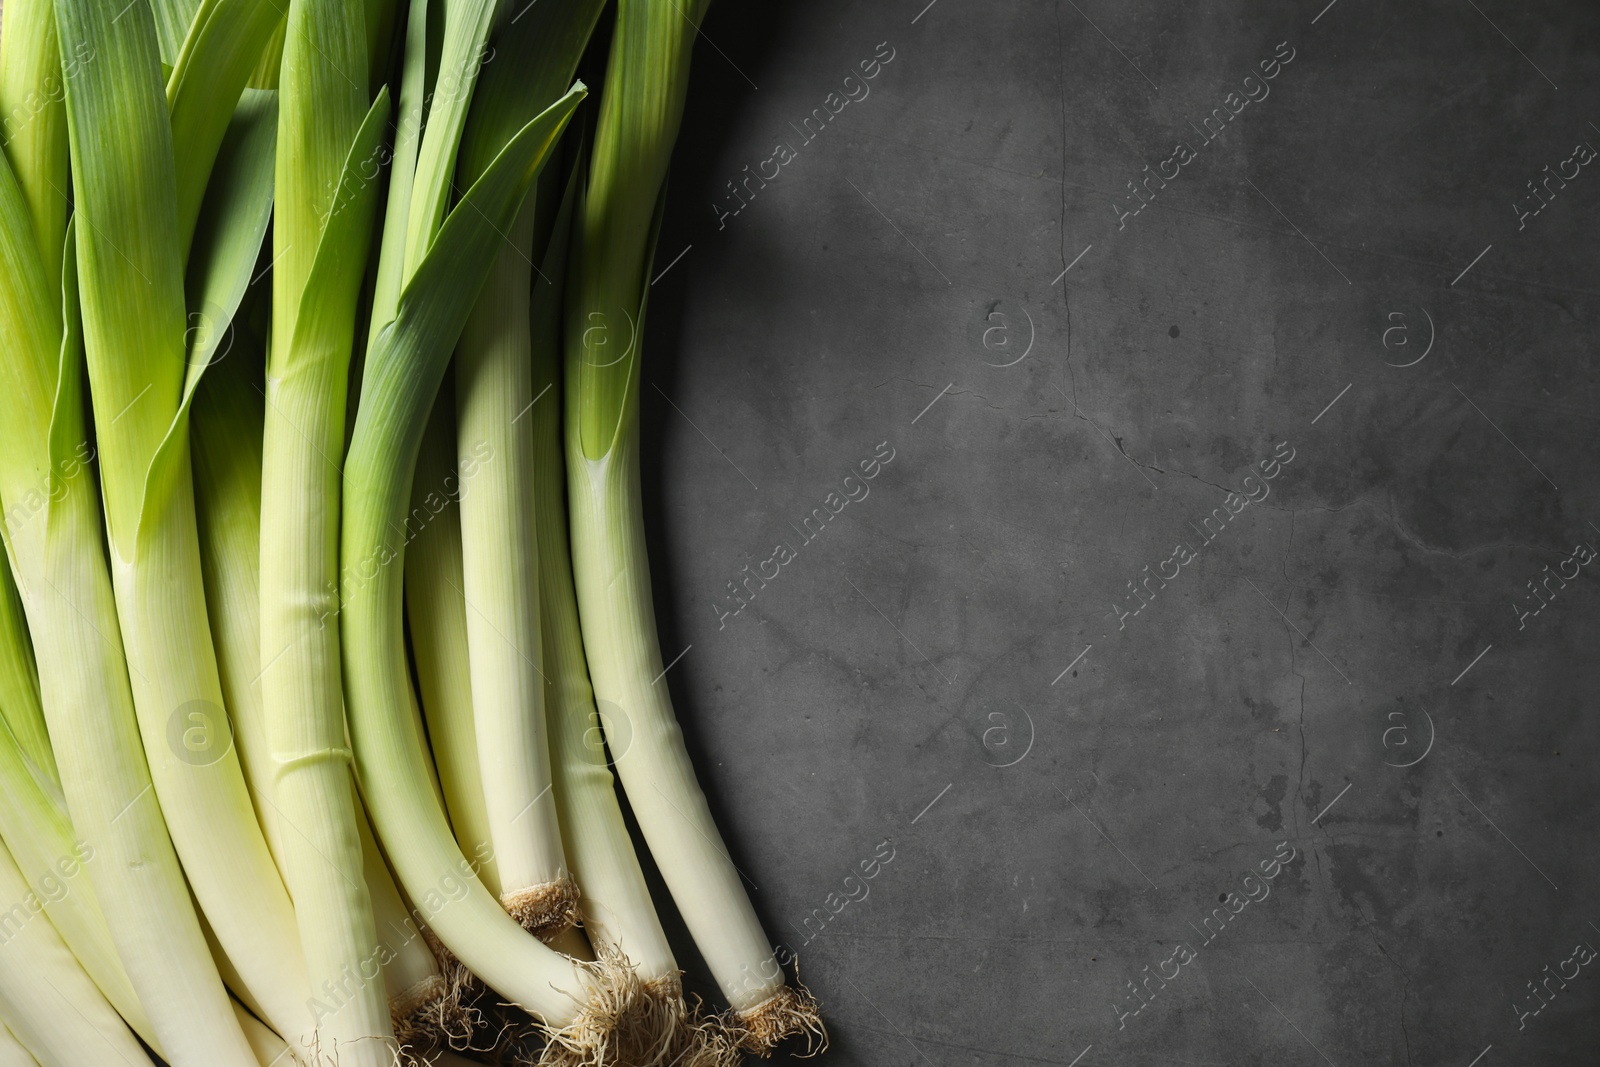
(501, 582)
(12, 1052)
(436, 611)
(320, 239)
(615, 900)
(35, 825)
(401, 377)
(268, 1047)
(640, 111)
(46, 998)
(54, 535)
(437, 614)
(500, 575)
(225, 428)
(129, 262)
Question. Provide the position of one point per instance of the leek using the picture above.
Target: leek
(324, 212)
(436, 609)
(615, 901)
(640, 110)
(494, 395)
(226, 825)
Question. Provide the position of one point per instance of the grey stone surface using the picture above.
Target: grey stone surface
(1362, 615)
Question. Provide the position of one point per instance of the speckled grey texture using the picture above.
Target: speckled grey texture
(1052, 440)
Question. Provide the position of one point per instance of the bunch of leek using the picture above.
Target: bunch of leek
(286, 368)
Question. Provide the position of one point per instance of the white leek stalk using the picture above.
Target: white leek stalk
(12, 1052)
(436, 608)
(35, 825)
(501, 589)
(46, 998)
(615, 901)
(640, 110)
(437, 614)
(494, 396)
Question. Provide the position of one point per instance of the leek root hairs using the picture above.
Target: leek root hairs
(544, 910)
(790, 1012)
(637, 1022)
(458, 1020)
(422, 1015)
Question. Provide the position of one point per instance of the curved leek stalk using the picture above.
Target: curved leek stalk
(46, 998)
(500, 573)
(640, 110)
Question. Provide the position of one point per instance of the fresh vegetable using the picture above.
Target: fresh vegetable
(324, 610)
(639, 115)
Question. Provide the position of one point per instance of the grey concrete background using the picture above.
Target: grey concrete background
(872, 691)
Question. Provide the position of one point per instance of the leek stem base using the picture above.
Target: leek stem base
(544, 910)
(790, 1012)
